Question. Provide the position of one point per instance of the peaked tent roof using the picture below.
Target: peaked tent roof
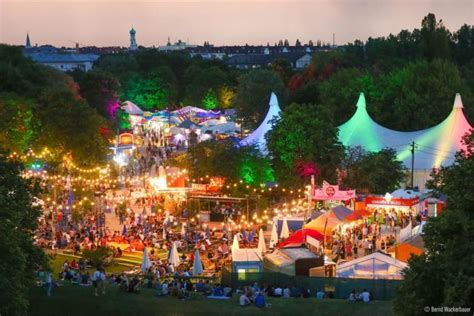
(299, 237)
(373, 266)
(132, 108)
(436, 146)
(258, 135)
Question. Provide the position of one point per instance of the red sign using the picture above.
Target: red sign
(377, 200)
(333, 193)
(330, 191)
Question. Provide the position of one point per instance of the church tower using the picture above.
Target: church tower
(28, 43)
(133, 41)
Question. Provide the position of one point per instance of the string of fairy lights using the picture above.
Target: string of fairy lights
(87, 179)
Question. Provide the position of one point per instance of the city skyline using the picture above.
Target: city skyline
(107, 22)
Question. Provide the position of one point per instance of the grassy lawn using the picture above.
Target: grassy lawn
(76, 300)
(57, 262)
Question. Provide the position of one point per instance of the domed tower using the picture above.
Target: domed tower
(133, 41)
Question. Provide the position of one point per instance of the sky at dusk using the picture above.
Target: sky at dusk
(224, 22)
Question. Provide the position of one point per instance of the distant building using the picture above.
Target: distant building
(249, 61)
(61, 60)
(179, 45)
(133, 41)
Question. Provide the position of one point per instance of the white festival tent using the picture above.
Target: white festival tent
(274, 236)
(285, 231)
(146, 263)
(173, 257)
(235, 243)
(197, 264)
(258, 136)
(374, 266)
(261, 242)
(223, 128)
(131, 108)
(435, 146)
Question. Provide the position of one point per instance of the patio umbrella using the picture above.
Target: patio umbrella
(274, 236)
(235, 243)
(285, 231)
(164, 233)
(183, 229)
(146, 263)
(261, 242)
(173, 256)
(197, 265)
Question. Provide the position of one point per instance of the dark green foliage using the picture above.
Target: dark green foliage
(44, 108)
(253, 95)
(376, 173)
(304, 134)
(98, 257)
(18, 220)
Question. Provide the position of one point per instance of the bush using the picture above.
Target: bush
(101, 256)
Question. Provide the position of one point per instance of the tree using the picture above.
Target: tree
(435, 38)
(444, 275)
(304, 134)
(286, 43)
(464, 44)
(297, 43)
(226, 97)
(19, 218)
(68, 125)
(210, 101)
(17, 124)
(100, 88)
(378, 172)
(419, 87)
(253, 94)
(148, 93)
(339, 93)
(283, 68)
(200, 80)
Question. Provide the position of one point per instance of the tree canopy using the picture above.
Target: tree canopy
(304, 134)
(18, 221)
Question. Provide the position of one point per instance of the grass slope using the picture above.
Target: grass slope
(76, 300)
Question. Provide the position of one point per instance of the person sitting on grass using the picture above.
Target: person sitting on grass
(320, 294)
(353, 296)
(286, 292)
(218, 291)
(278, 292)
(85, 278)
(365, 296)
(244, 300)
(134, 285)
(260, 300)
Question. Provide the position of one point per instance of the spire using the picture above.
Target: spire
(28, 43)
(458, 102)
(361, 101)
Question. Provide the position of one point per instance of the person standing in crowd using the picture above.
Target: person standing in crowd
(48, 280)
(96, 277)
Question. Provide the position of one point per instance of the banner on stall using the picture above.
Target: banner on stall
(332, 192)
